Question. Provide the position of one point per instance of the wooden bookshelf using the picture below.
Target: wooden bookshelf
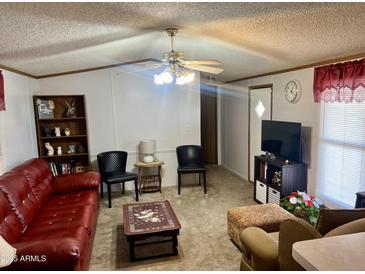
(79, 159)
(293, 178)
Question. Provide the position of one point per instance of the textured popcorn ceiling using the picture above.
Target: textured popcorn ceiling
(249, 38)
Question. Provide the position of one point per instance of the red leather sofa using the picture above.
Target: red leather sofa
(51, 221)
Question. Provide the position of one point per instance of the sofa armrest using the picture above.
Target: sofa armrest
(261, 248)
(60, 254)
(76, 182)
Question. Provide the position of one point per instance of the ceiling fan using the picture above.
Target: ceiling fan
(176, 64)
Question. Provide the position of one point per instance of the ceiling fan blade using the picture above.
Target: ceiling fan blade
(212, 70)
(204, 62)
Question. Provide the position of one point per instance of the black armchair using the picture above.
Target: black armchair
(190, 161)
(112, 165)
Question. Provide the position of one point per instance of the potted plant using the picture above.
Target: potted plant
(302, 205)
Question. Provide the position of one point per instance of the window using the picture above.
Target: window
(342, 152)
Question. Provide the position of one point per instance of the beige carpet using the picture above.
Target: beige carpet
(203, 241)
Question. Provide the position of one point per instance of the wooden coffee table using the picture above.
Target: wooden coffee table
(146, 220)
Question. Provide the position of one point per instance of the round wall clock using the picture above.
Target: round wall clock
(293, 91)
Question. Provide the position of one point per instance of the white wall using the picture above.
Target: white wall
(235, 118)
(123, 108)
(234, 129)
(17, 126)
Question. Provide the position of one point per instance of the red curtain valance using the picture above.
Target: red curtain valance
(2, 99)
(343, 82)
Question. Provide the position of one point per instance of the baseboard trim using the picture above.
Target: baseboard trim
(235, 172)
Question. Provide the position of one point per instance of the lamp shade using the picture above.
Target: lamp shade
(147, 147)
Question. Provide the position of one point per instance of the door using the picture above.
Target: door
(260, 104)
(208, 108)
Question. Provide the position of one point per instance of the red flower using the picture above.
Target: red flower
(312, 197)
(294, 193)
(291, 196)
(309, 203)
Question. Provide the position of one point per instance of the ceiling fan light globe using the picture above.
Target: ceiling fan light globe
(166, 77)
(190, 77)
(158, 79)
(180, 80)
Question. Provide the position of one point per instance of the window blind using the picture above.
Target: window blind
(342, 152)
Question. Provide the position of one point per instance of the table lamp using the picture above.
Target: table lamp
(147, 149)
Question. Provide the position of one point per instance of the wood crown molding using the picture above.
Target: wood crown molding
(95, 68)
(17, 71)
(326, 62)
(76, 71)
(341, 59)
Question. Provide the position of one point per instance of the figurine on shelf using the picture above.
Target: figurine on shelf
(50, 150)
(72, 148)
(67, 131)
(277, 178)
(59, 151)
(80, 149)
(51, 105)
(46, 131)
(71, 109)
(57, 131)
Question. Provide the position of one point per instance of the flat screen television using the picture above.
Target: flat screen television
(281, 139)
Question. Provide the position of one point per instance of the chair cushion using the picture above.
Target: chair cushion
(349, 228)
(118, 177)
(191, 168)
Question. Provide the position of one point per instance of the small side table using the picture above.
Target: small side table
(150, 182)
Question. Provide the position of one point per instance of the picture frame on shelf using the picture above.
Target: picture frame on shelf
(45, 109)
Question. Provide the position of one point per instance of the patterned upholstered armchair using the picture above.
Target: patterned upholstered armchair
(273, 251)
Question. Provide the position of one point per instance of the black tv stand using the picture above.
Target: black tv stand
(293, 178)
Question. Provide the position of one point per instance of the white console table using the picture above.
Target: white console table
(344, 252)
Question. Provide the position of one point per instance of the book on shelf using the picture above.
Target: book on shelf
(53, 168)
(66, 168)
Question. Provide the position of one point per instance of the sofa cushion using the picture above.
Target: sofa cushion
(75, 199)
(20, 196)
(74, 241)
(10, 227)
(351, 227)
(66, 211)
(39, 177)
(329, 219)
(58, 221)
